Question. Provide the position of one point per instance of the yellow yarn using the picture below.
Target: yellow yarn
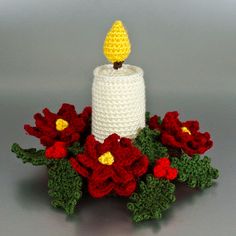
(117, 46)
(106, 159)
(61, 124)
(186, 130)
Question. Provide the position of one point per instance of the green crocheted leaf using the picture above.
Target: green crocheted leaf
(31, 155)
(148, 142)
(152, 199)
(196, 172)
(75, 149)
(64, 185)
(147, 117)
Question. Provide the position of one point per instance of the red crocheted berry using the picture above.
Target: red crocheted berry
(65, 125)
(57, 151)
(182, 135)
(171, 173)
(164, 161)
(159, 171)
(111, 166)
(163, 169)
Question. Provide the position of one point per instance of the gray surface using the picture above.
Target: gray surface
(48, 50)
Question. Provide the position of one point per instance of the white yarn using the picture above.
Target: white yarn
(118, 101)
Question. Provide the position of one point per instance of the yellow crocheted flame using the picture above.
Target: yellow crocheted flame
(106, 159)
(117, 46)
(61, 124)
(186, 130)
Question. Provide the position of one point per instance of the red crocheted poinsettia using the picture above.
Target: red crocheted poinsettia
(86, 116)
(154, 122)
(111, 166)
(163, 169)
(57, 151)
(65, 126)
(183, 135)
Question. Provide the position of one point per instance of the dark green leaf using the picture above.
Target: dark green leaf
(31, 155)
(64, 185)
(75, 149)
(148, 142)
(196, 172)
(147, 117)
(152, 199)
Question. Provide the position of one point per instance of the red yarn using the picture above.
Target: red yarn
(164, 170)
(119, 177)
(159, 171)
(171, 173)
(86, 113)
(172, 134)
(57, 151)
(45, 125)
(86, 116)
(154, 122)
(164, 162)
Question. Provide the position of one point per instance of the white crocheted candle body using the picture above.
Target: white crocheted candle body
(118, 101)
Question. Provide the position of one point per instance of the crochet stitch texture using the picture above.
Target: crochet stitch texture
(143, 170)
(120, 176)
(117, 46)
(114, 148)
(118, 103)
(182, 135)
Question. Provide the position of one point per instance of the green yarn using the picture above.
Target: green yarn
(196, 172)
(147, 117)
(75, 149)
(64, 185)
(153, 196)
(152, 199)
(148, 142)
(31, 155)
(63, 182)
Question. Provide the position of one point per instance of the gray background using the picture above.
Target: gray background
(48, 50)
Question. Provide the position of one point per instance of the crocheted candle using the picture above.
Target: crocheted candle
(118, 91)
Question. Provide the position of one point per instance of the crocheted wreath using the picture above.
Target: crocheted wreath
(144, 170)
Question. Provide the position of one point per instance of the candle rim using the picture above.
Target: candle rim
(137, 71)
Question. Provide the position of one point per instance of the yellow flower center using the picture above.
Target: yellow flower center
(106, 159)
(186, 130)
(61, 124)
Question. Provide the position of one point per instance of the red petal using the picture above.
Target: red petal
(120, 175)
(140, 166)
(91, 146)
(32, 131)
(101, 173)
(154, 123)
(98, 190)
(77, 167)
(170, 140)
(192, 125)
(66, 109)
(125, 190)
(85, 161)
